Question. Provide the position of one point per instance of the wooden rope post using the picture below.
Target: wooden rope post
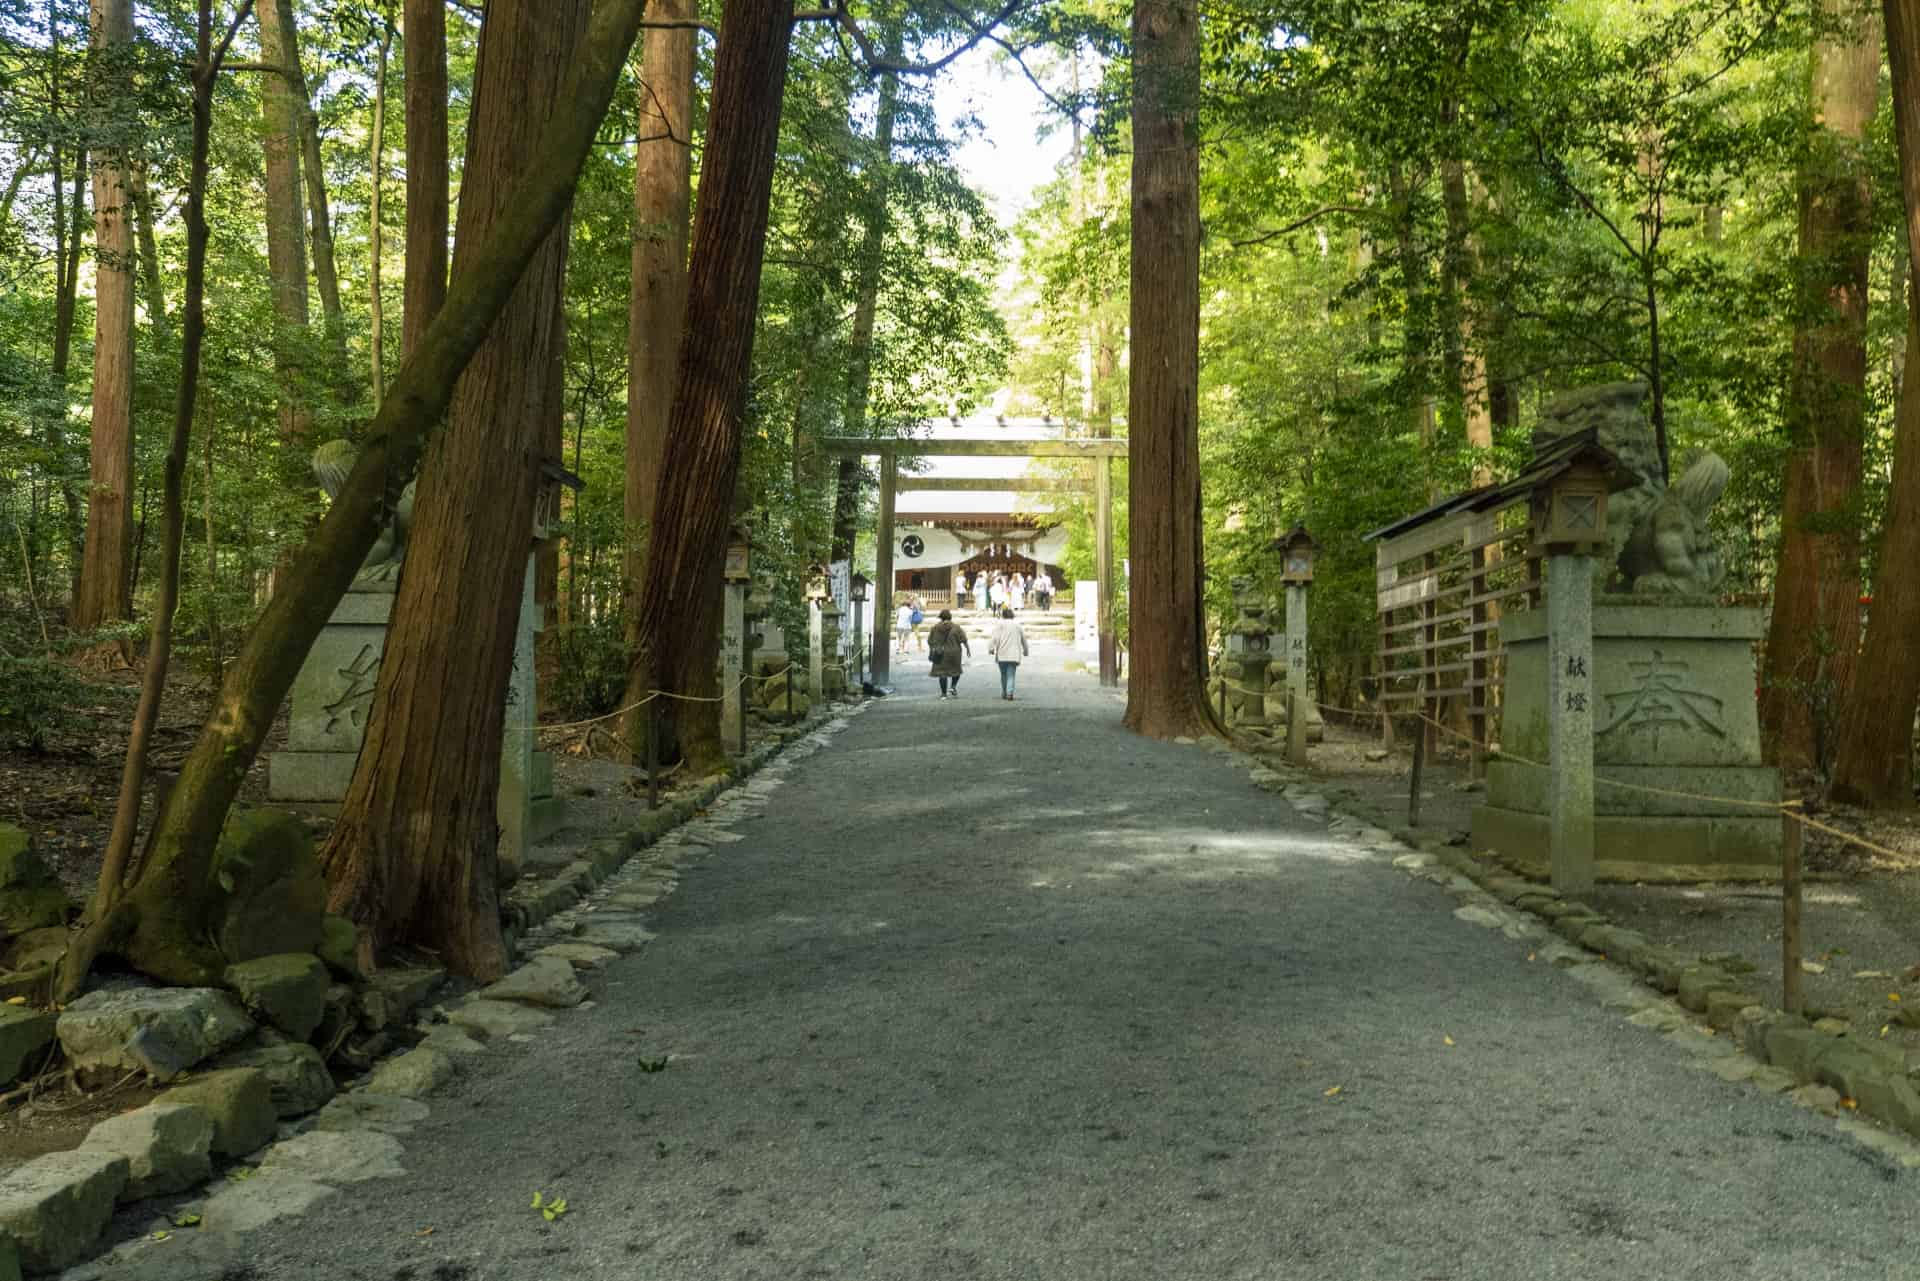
(653, 757)
(1792, 998)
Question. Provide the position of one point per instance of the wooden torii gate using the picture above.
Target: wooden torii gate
(1098, 456)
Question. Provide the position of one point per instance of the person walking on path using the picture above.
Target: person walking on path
(1008, 647)
(902, 626)
(945, 644)
(1043, 590)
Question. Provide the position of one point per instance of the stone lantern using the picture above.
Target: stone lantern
(1247, 648)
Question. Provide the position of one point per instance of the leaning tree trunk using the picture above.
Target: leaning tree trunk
(1165, 694)
(657, 303)
(1814, 633)
(1875, 758)
(424, 63)
(164, 923)
(105, 572)
(280, 113)
(680, 603)
(413, 855)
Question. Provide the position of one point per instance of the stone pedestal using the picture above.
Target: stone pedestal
(1672, 697)
(334, 692)
(331, 698)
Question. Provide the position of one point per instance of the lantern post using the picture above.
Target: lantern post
(857, 596)
(1297, 552)
(1569, 509)
(736, 574)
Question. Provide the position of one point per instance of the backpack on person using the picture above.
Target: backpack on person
(917, 617)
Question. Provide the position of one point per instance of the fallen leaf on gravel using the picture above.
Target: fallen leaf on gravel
(1812, 967)
(1871, 974)
(1850, 1104)
(1330, 1093)
(1447, 1039)
(1883, 1030)
(1529, 956)
(1893, 996)
(160, 1236)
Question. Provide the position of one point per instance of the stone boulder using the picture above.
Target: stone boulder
(340, 946)
(31, 896)
(56, 1206)
(273, 894)
(288, 990)
(161, 1030)
(546, 980)
(239, 1101)
(24, 1033)
(415, 1074)
(297, 1076)
(392, 995)
(166, 1146)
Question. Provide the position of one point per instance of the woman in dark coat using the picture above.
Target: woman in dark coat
(945, 643)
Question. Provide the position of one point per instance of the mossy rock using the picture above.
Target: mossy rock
(33, 907)
(274, 896)
(20, 866)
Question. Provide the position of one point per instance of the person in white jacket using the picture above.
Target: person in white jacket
(1008, 647)
(903, 625)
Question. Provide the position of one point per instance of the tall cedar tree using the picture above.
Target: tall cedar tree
(413, 855)
(424, 63)
(106, 567)
(1165, 697)
(1875, 759)
(163, 924)
(193, 326)
(657, 303)
(1815, 630)
(280, 113)
(680, 602)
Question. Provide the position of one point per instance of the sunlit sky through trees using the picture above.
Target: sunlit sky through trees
(1022, 139)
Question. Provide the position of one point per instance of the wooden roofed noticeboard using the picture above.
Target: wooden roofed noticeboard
(1443, 578)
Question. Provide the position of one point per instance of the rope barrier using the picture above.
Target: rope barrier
(746, 679)
(1792, 809)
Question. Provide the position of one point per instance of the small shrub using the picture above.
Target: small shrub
(591, 668)
(39, 698)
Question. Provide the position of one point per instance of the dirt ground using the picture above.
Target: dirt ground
(1861, 908)
(65, 798)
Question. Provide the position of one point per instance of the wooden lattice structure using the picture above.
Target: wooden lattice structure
(1444, 577)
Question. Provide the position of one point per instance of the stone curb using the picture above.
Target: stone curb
(1742, 1040)
(374, 1116)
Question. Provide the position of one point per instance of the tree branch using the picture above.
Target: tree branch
(226, 41)
(1298, 223)
(877, 62)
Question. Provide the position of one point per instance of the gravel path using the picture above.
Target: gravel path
(1001, 991)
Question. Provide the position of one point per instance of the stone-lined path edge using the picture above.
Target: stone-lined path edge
(579, 919)
(1696, 1002)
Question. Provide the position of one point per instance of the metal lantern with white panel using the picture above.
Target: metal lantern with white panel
(1297, 551)
(739, 563)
